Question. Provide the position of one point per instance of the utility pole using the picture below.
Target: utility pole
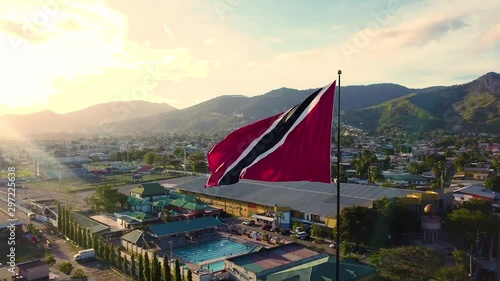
(470, 263)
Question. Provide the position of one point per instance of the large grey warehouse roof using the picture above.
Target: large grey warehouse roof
(309, 197)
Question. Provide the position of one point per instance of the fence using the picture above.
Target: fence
(26, 211)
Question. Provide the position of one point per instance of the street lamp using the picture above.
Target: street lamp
(184, 160)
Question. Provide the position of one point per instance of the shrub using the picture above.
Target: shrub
(50, 260)
(66, 267)
(79, 274)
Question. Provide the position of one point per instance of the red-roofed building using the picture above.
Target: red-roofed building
(257, 265)
(145, 170)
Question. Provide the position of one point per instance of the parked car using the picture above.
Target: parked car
(249, 222)
(333, 245)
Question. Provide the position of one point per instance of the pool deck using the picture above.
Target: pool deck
(229, 236)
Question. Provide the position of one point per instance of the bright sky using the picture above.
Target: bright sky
(64, 55)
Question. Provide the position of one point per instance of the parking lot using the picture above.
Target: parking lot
(237, 222)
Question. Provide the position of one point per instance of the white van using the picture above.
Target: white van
(302, 235)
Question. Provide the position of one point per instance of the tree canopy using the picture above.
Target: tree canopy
(408, 263)
(469, 222)
(493, 183)
(478, 205)
(108, 199)
(357, 224)
(395, 216)
(197, 162)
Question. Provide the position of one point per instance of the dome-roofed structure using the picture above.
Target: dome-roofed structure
(430, 223)
(429, 210)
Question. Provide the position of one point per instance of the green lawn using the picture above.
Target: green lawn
(54, 185)
(91, 183)
(22, 171)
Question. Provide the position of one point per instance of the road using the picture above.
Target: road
(62, 250)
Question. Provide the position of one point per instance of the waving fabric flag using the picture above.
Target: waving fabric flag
(292, 146)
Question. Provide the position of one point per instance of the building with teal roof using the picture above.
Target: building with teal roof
(324, 269)
(136, 241)
(148, 191)
(294, 262)
(153, 198)
(131, 219)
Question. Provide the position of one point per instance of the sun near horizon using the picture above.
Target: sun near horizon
(67, 55)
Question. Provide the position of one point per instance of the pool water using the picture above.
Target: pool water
(215, 266)
(201, 253)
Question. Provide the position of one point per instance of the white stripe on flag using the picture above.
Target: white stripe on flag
(306, 112)
(252, 145)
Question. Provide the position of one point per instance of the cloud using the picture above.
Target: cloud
(423, 31)
(82, 51)
(491, 37)
(96, 51)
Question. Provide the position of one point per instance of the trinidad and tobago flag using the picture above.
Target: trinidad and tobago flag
(291, 146)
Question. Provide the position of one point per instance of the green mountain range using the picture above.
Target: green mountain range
(474, 106)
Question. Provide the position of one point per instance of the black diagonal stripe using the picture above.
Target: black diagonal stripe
(270, 140)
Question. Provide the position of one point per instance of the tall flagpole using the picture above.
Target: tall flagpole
(337, 252)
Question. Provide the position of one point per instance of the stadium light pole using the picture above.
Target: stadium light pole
(337, 226)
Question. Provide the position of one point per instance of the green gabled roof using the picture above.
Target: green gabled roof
(128, 219)
(162, 202)
(179, 203)
(139, 216)
(194, 206)
(323, 269)
(137, 237)
(149, 189)
(88, 223)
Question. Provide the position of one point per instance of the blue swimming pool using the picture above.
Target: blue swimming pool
(215, 266)
(201, 253)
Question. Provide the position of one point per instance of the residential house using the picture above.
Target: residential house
(407, 179)
(476, 192)
(478, 173)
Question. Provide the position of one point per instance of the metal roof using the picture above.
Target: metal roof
(170, 228)
(89, 223)
(137, 237)
(309, 197)
(149, 189)
(324, 269)
(478, 191)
